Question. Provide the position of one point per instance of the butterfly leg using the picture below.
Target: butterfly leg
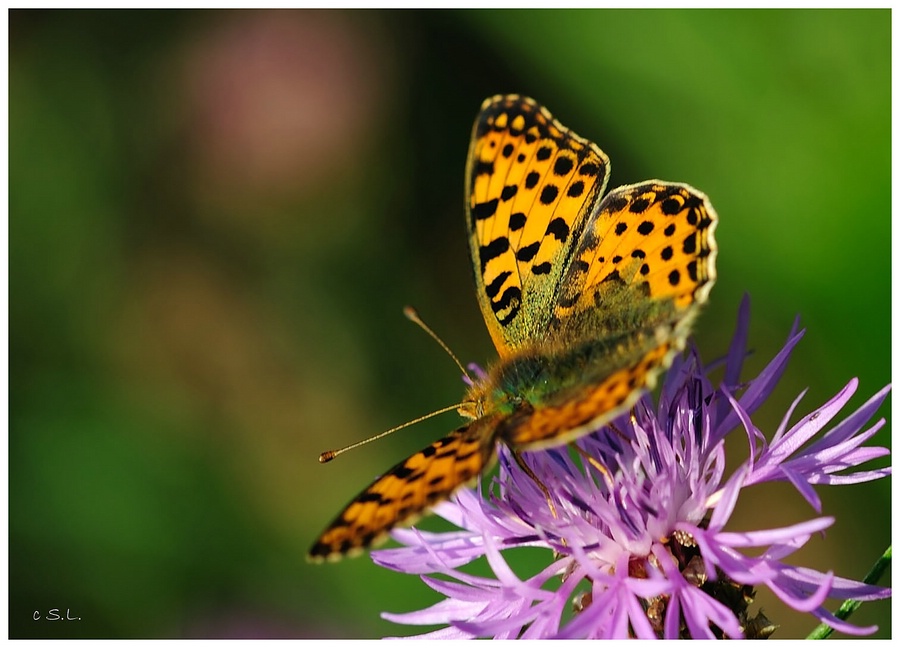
(593, 462)
(621, 435)
(528, 471)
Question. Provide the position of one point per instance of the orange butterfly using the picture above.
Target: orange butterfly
(586, 300)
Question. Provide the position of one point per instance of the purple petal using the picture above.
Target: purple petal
(842, 626)
(855, 478)
(853, 422)
(737, 350)
(804, 488)
(805, 429)
(702, 609)
(752, 432)
(474, 589)
(799, 595)
(423, 554)
(787, 417)
(729, 495)
(502, 620)
(773, 536)
(843, 450)
(444, 633)
(440, 612)
(761, 386)
(499, 566)
(841, 588)
(672, 627)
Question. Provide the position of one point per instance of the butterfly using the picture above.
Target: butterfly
(586, 298)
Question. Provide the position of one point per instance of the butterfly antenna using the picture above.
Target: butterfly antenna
(328, 455)
(413, 316)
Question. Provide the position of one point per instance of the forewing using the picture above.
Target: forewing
(530, 182)
(409, 489)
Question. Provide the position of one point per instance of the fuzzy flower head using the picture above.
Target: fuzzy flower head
(636, 514)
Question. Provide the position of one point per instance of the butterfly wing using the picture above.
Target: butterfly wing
(407, 490)
(643, 268)
(646, 257)
(596, 298)
(530, 183)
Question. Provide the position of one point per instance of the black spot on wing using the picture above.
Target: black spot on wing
(612, 276)
(575, 189)
(493, 288)
(484, 168)
(484, 210)
(639, 206)
(492, 250)
(670, 206)
(512, 299)
(690, 244)
(562, 166)
(692, 270)
(559, 228)
(569, 300)
(468, 455)
(527, 252)
(549, 194)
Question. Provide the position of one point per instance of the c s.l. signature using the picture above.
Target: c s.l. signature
(54, 614)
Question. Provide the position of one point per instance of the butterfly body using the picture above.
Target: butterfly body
(586, 300)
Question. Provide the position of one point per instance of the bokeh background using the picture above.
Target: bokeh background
(216, 217)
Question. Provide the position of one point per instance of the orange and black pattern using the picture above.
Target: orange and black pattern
(586, 299)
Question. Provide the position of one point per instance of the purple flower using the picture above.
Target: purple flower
(637, 522)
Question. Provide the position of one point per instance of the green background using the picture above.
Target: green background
(217, 217)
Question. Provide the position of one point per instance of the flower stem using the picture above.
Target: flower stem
(849, 606)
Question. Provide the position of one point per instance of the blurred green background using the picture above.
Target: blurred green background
(217, 217)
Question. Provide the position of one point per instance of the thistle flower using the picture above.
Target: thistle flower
(636, 520)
